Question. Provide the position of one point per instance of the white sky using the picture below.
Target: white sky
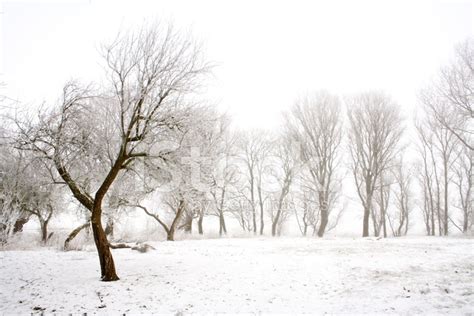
(268, 52)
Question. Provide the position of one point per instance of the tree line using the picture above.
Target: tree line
(144, 140)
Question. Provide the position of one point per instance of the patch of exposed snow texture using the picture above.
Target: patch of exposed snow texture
(285, 275)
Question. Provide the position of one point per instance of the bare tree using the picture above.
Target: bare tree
(315, 123)
(263, 150)
(307, 214)
(255, 147)
(179, 183)
(441, 144)
(25, 191)
(463, 169)
(429, 178)
(252, 146)
(240, 210)
(284, 169)
(148, 72)
(12, 193)
(41, 199)
(374, 136)
(451, 95)
(221, 189)
(400, 219)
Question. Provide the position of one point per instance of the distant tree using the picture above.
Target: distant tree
(463, 178)
(315, 123)
(41, 199)
(221, 150)
(222, 188)
(284, 169)
(178, 184)
(26, 191)
(450, 96)
(254, 148)
(375, 129)
(400, 219)
(440, 144)
(12, 192)
(429, 178)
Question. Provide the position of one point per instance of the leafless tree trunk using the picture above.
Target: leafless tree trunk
(200, 222)
(440, 143)
(382, 199)
(426, 174)
(402, 180)
(463, 169)
(451, 95)
(179, 209)
(179, 213)
(251, 145)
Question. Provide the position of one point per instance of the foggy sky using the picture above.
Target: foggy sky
(266, 53)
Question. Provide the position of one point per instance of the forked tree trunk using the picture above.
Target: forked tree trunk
(170, 235)
(222, 226)
(107, 266)
(174, 224)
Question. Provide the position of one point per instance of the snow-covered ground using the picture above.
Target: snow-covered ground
(284, 275)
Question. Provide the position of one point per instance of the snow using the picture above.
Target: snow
(249, 275)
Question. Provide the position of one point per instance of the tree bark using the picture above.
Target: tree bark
(200, 220)
(222, 226)
(365, 226)
(384, 211)
(107, 265)
(324, 223)
(44, 230)
(446, 195)
(172, 229)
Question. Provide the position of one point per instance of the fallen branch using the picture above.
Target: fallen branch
(74, 233)
(137, 247)
(119, 246)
